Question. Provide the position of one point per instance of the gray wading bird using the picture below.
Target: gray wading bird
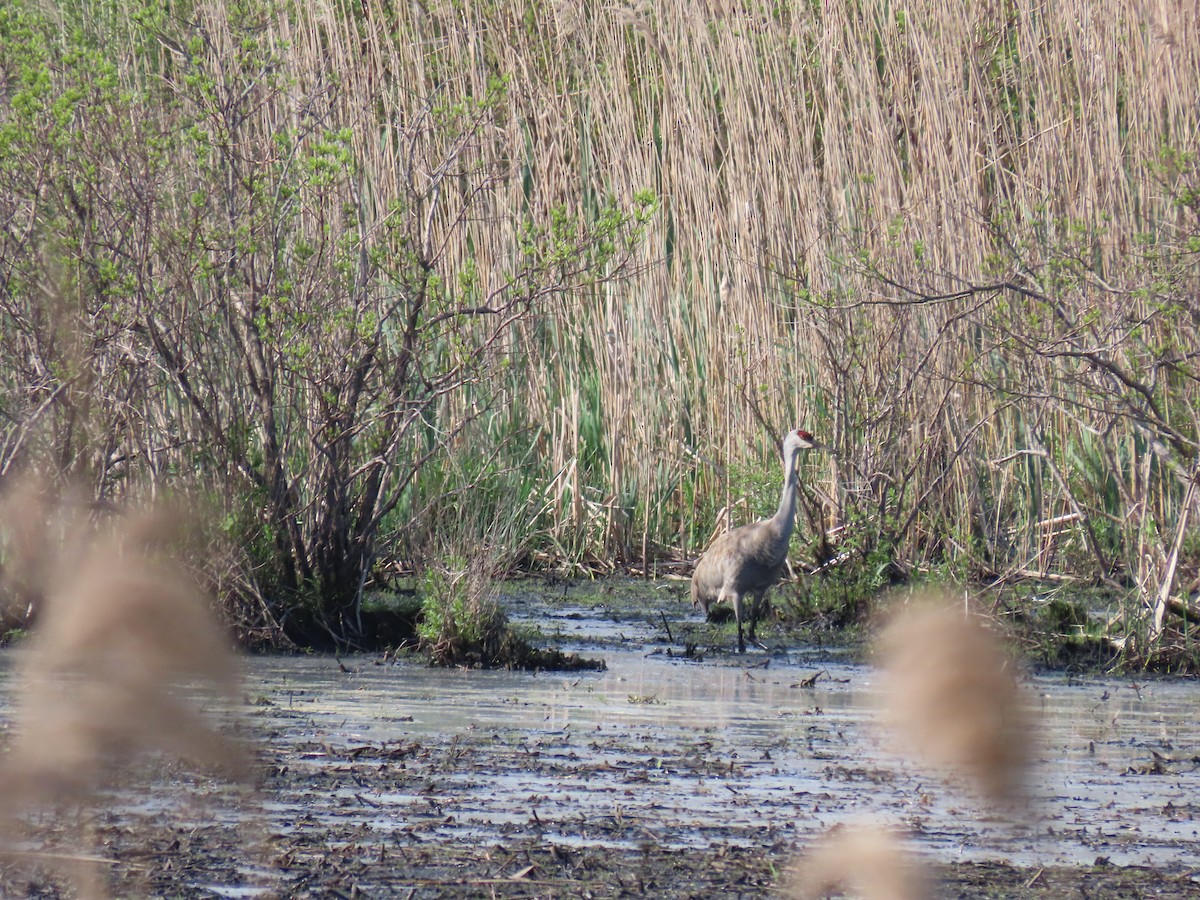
(746, 561)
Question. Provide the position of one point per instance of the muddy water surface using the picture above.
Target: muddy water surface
(365, 757)
(685, 753)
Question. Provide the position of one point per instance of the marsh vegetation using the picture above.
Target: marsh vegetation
(542, 284)
(320, 321)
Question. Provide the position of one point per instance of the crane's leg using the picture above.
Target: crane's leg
(737, 614)
(755, 606)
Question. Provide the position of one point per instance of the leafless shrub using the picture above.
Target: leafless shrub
(869, 861)
(952, 697)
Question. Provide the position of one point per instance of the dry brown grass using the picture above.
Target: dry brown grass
(125, 664)
(942, 141)
(867, 861)
(952, 699)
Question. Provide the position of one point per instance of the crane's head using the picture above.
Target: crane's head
(799, 439)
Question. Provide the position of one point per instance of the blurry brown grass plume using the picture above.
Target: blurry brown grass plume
(868, 860)
(952, 697)
(124, 661)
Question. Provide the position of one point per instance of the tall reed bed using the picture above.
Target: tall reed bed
(824, 172)
(956, 240)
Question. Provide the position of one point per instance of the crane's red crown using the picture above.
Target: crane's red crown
(804, 434)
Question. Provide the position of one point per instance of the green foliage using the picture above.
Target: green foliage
(12, 636)
(448, 613)
(304, 344)
(462, 624)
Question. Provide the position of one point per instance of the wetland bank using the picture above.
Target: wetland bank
(661, 775)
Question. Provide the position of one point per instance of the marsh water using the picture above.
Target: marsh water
(685, 753)
(767, 749)
(776, 745)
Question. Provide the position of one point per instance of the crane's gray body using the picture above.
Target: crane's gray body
(747, 561)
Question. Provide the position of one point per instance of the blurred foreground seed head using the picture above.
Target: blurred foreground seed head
(867, 861)
(125, 657)
(952, 696)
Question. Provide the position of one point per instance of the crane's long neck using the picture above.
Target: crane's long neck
(784, 519)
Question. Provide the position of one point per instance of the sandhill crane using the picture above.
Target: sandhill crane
(746, 561)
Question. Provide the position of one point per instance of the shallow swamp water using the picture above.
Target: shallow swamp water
(662, 775)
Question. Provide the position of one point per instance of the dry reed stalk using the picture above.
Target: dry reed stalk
(952, 698)
(869, 861)
(792, 149)
(774, 161)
